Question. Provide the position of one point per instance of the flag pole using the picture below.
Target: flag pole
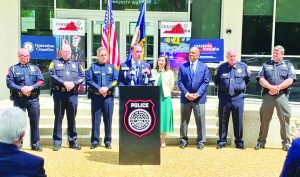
(108, 30)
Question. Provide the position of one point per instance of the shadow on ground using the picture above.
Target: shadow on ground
(109, 157)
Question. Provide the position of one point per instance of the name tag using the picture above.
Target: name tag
(126, 68)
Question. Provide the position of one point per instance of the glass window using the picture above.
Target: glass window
(78, 4)
(206, 17)
(287, 27)
(36, 17)
(152, 5)
(257, 27)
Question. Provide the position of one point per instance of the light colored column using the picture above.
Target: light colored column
(9, 30)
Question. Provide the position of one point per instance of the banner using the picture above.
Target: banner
(211, 50)
(68, 27)
(175, 29)
(72, 32)
(40, 47)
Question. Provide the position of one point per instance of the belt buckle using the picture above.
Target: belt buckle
(63, 89)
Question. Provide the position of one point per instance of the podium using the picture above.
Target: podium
(139, 125)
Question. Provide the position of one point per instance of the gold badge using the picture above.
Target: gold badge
(109, 70)
(284, 65)
(73, 66)
(270, 67)
(51, 65)
(239, 70)
(32, 68)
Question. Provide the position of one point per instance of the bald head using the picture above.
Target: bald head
(194, 54)
(231, 56)
(23, 55)
(66, 51)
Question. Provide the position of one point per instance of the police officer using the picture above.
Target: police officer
(231, 79)
(275, 77)
(25, 81)
(65, 75)
(134, 71)
(102, 80)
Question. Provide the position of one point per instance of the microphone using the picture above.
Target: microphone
(132, 74)
(146, 72)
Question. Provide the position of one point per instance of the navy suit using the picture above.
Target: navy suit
(126, 77)
(61, 71)
(20, 75)
(291, 165)
(97, 76)
(197, 84)
(231, 82)
(16, 163)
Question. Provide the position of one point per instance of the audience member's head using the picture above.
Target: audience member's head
(12, 126)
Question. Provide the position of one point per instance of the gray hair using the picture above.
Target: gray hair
(12, 125)
(280, 48)
(101, 49)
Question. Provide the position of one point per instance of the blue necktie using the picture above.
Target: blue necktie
(192, 70)
(231, 82)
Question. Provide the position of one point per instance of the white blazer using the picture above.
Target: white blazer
(167, 81)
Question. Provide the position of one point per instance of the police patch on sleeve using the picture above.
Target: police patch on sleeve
(293, 69)
(51, 65)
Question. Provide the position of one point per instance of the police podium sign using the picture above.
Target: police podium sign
(139, 125)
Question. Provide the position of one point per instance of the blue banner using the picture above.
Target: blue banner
(40, 47)
(211, 50)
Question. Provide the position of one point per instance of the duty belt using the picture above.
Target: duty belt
(31, 95)
(97, 93)
(63, 89)
(279, 93)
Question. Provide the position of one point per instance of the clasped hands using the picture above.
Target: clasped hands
(69, 85)
(274, 90)
(103, 91)
(26, 90)
(191, 96)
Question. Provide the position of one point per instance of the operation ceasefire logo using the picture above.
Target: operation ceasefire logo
(139, 118)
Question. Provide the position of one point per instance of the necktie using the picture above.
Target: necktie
(231, 82)
(103, 76)
(192, 70)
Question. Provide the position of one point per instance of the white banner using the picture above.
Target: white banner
(68, 27)
(175, 29)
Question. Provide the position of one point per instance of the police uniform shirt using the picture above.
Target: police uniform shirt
(20, 75)
(102, 75)
(276, 73)
(235, 77)
(61, 71)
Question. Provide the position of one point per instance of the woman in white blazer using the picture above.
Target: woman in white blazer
(164, 78)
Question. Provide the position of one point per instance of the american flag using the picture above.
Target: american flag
(109, 37)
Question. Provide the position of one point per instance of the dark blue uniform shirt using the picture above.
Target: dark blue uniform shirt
(102, 75)
(232, 80)
(276, 73)
(20, 75)
(61, 71)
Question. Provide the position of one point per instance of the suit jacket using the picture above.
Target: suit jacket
(124, 77)
(16, 163)
(198, 84)
(291, 165)
(167, 81)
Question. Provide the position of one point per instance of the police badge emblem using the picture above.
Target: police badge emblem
(109, 70)
(239, 70)
(139, 118)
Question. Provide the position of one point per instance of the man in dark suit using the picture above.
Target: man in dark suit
(193, 79)
(291, 165)
(134, 71)
(14, 162)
